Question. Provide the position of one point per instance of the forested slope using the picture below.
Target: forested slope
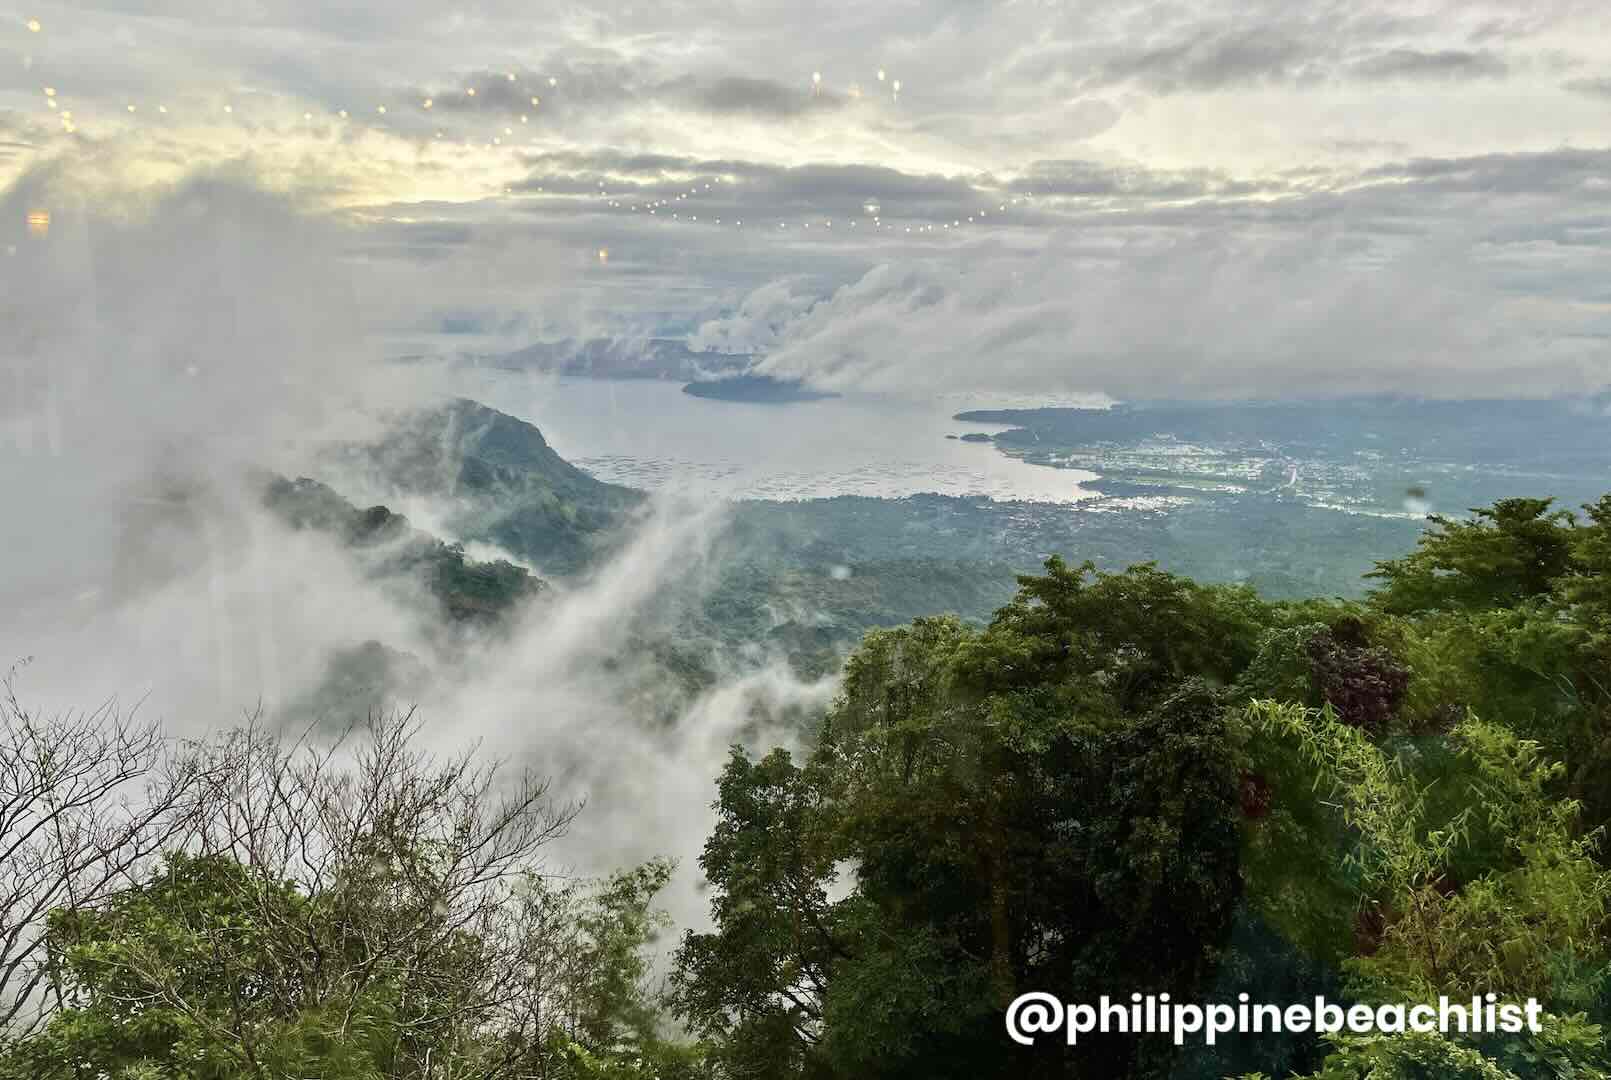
(1130, 782)
(1121, 782)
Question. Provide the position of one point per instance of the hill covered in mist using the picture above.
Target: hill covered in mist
(804, 579)
(497, 479)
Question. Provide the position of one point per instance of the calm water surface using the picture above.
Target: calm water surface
(652, 435)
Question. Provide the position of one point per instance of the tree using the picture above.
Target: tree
(1052, 801)
(1509, 552)
(359, 909)
(757, 983)
(1532, 923)
(1587, 591)
(1125, 638)
(88, 800)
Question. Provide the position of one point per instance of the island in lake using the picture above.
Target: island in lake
(764, 389)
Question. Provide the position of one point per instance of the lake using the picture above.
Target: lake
(649, 434)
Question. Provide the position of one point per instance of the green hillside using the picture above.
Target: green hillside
(509, 486)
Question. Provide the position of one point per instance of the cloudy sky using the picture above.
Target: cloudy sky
(1148, 198)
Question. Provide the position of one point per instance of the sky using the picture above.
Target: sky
(1145, 199)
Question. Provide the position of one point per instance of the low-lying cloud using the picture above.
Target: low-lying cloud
(1200, 313)
(164, 352)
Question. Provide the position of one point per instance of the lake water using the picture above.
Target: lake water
(651, 435)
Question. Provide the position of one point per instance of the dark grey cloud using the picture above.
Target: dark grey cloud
(759, 97)
(1283, 49)
(1444, 64)
(735, 189)
(1505, 199)
(1096, 180)
(505, 92)
(609, 83)
(1518, 24)
(1586, 174)
(1594, 87)
(636, 166)
(1509, 225)
(1219, 60)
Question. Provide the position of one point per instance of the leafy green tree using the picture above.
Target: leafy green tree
(1114, 642)
(1508, 552)
(1587, 591)
(995, 810)
(181, 974)
(1532, 924)
(383, 919)
(756, 984)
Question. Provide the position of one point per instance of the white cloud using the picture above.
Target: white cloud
(166, 346)
(1210, 312)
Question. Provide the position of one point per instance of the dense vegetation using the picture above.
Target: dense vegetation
(1131, 782)
(271, 908)
(467, 590)
(1123, 781)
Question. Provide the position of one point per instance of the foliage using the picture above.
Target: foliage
(384, 918)
(1077, 796)
(1507, 553)
(1121, 781)
(985, 811)
(1532, 925)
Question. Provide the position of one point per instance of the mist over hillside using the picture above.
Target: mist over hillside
(805, 542)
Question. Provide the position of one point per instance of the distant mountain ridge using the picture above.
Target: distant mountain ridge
(1557, 433)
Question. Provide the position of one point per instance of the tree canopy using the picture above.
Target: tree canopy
(1123, 782)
